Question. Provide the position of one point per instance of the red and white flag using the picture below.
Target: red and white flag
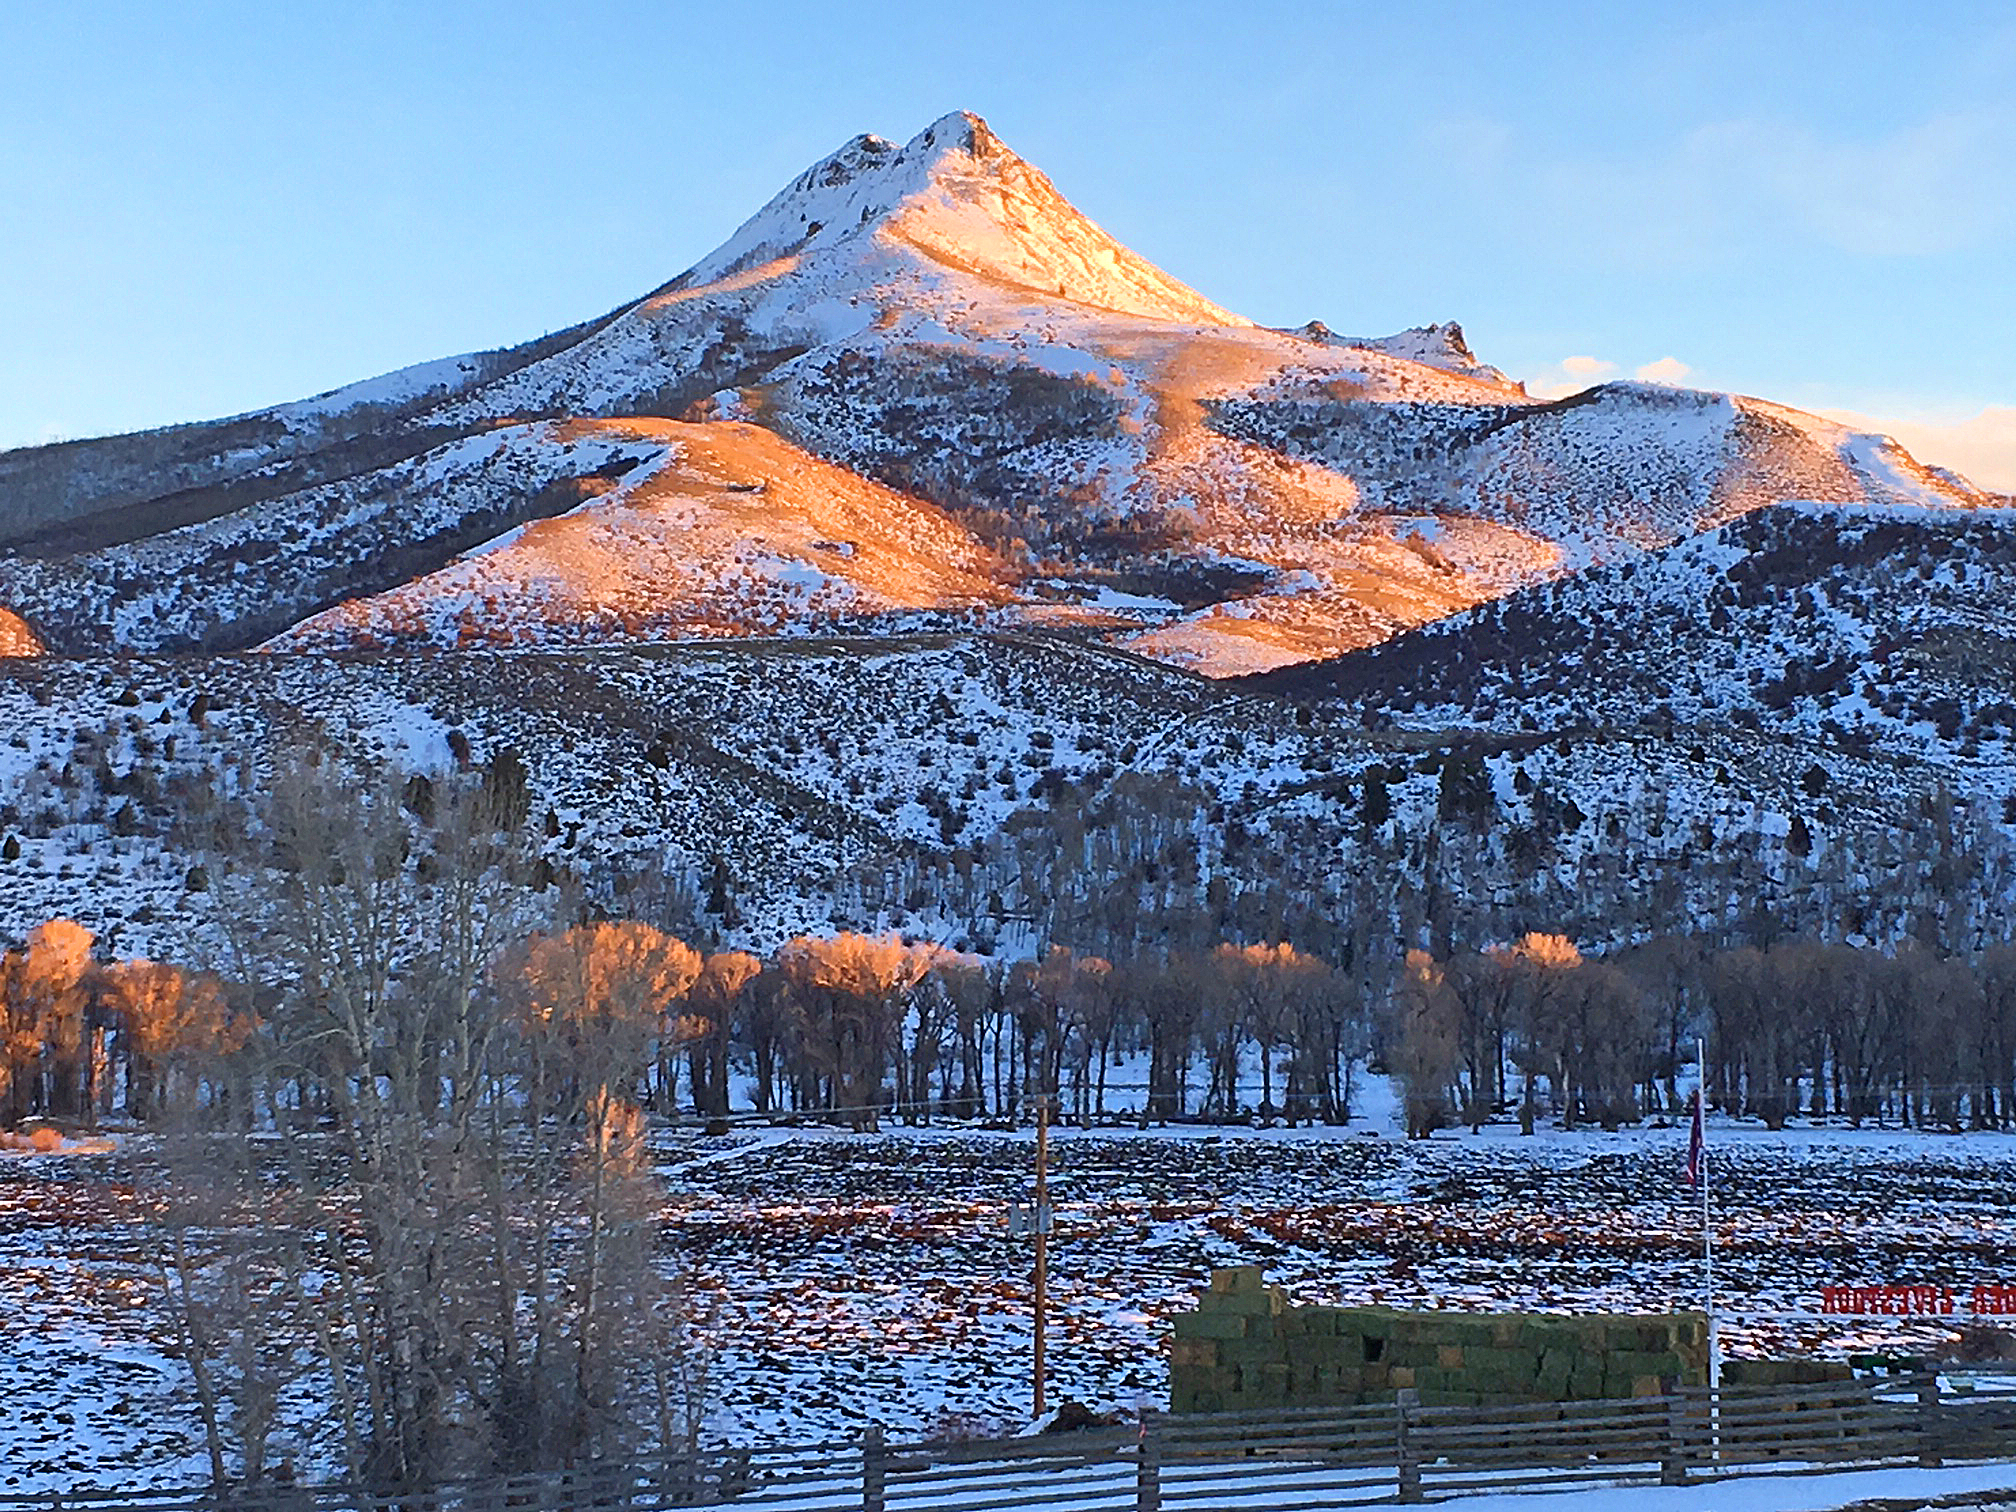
(1697, 1141)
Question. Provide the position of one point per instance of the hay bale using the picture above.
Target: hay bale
(1548, 1333)
(1236, 1279)
(1512, 1362)
(1556, 1370)
(1366, 1320)
(1500, 1380)
(1585, 1379)
(1267, 1302)
(1631, 1363)
(1250, 1352)
(1203, 1390)
(1268, 1386)
(1210, 1325)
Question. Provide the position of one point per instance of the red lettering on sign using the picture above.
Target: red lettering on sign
(1913, 1301)
(1994, 1300)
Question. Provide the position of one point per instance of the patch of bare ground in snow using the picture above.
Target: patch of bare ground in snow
(16, 639)
(94, 1393)
(735, 532)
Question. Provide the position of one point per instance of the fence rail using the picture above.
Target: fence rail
(1302, 1458)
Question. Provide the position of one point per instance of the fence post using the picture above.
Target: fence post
(1148, 1464)
(1931, 1433)
(874, 1470)
(1673, 1463)
(1408, 1460)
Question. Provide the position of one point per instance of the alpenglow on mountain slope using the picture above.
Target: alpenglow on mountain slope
(863, 576)
(916, 388)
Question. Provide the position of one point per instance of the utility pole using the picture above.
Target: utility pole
(1042, 1238)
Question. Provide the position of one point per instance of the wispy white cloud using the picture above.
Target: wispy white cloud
(1937, 185)
(1573, 374)
(1665, 370)
(1981, 447)
(1569, 376)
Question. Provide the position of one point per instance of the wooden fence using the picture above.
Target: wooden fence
(1227, 1462)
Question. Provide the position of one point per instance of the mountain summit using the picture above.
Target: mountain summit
(956, 194)
(917, 387)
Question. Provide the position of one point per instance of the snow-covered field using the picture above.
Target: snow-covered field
(874, 1277)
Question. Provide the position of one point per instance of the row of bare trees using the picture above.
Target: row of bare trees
(859, 1026)
(1910, 1035)
(849, 1025)
(1913, 1037)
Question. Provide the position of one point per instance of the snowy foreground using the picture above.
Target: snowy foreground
(1983, 1486)
(874, 1278)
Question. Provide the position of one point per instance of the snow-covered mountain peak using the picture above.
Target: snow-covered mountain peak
(961, 197)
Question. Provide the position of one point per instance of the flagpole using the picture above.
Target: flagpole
(1707, 1220)
(1708, 1251)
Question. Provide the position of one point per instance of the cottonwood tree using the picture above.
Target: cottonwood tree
(1603, 1047)
(846, 995)
(1424, 1043)
(44, 993)
(234, 1272)
(714, 1003)
(1484, 984)
(454, 1088)
(1276, 993)
(1543, 967)
(1164, 995)
(1059, 1002)
(171, 1026)
(618, 990)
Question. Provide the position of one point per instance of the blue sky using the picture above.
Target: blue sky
(209, 207)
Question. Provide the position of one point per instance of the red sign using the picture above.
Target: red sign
(1986, 1300)
(1993, 1300)
(1894, 1301)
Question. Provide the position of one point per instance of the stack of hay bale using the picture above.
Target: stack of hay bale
(1245, 1348)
